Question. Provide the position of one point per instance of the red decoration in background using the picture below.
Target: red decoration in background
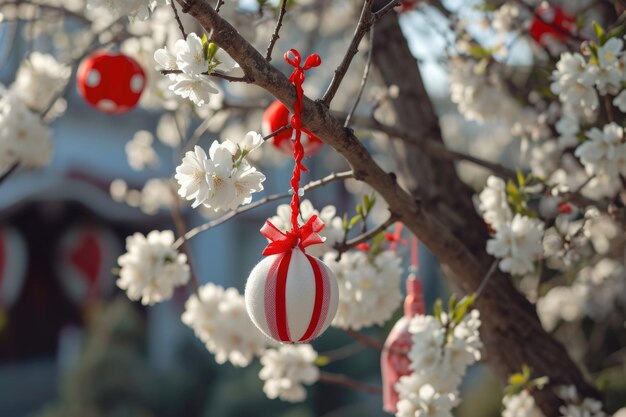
(394, 362)
(407, 5)
(277, 116)
(13, 263)
(551, 22)
(84, 259)
(112, 83)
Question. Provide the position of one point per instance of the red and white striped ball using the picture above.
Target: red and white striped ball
(292, 297)
(277, 116)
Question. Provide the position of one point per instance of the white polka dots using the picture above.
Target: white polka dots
(93, 78)
(137, 83)
(107, 105)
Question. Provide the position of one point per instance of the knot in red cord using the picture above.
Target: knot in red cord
(306, 235)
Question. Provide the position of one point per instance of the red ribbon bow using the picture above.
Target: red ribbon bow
(305, 235)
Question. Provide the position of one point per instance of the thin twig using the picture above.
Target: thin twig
(435, 149)
(366, 73)
(277, 132)
(365, 340)
(219, 5)
(275, 35)
(347, 382)
(179, 223)
(49, 8)
(365, 22)
(9, 171)
(342, 352)
(177, 17)
(215, 74)
(343, 247)
(485, 280)
(214, 223)
(386, 9)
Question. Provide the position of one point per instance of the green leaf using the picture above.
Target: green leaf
(322, 361)
(355, 220)
(465, 303)
(359, 210)
(377, 242)
(520, 178)
(452, 304)
(526, 371)
(346, 224)
(517, 380)
(205, 45)
(540, 382)
(438, 309)
(600, 34)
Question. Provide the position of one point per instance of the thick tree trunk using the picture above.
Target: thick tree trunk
(443, 218)
(511, 329)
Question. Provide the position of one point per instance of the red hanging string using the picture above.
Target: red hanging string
(306, 235)
(414, 254)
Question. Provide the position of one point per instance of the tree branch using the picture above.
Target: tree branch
(275, 35)
(177, 17)
(242, 209)
(8, 172)
(215, 74)
(366, 20)
(366, 72)
(347, 382)
(342, 247)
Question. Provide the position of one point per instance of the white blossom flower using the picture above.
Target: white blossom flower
(140, 152)
(333, 225)
(440, 357)
(286, 370)
(39, 80)
(219, 318)
(620, 101)
(156, 194)
(561, 303)
(521, 404)
(139, 9)
(219, 176)
(166, 60)
(576, 407)
(190, 56)
(493, 203)
(573, 83)
(369, 289)
(568, 128)
(192, 175)
(518, 244)
(604, 152)
(417, 399)
(247, 180)
(151, 268)
(197, 88)
(23, 136)
(610, 70)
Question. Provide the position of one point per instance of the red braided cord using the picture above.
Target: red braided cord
(297, 79)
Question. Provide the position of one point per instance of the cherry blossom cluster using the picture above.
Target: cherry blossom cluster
(24, 136)
(369, 287)
(134, 9)
(193, 59)
(442, 349)
(151, 268)
(287, 369)
(517, 238)
(224, 179)
(219, 319)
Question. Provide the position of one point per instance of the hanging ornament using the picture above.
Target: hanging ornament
(291, 296)
(275, 117)
(83, 261)
(112, 83)
(394, 361)
(551, 23)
